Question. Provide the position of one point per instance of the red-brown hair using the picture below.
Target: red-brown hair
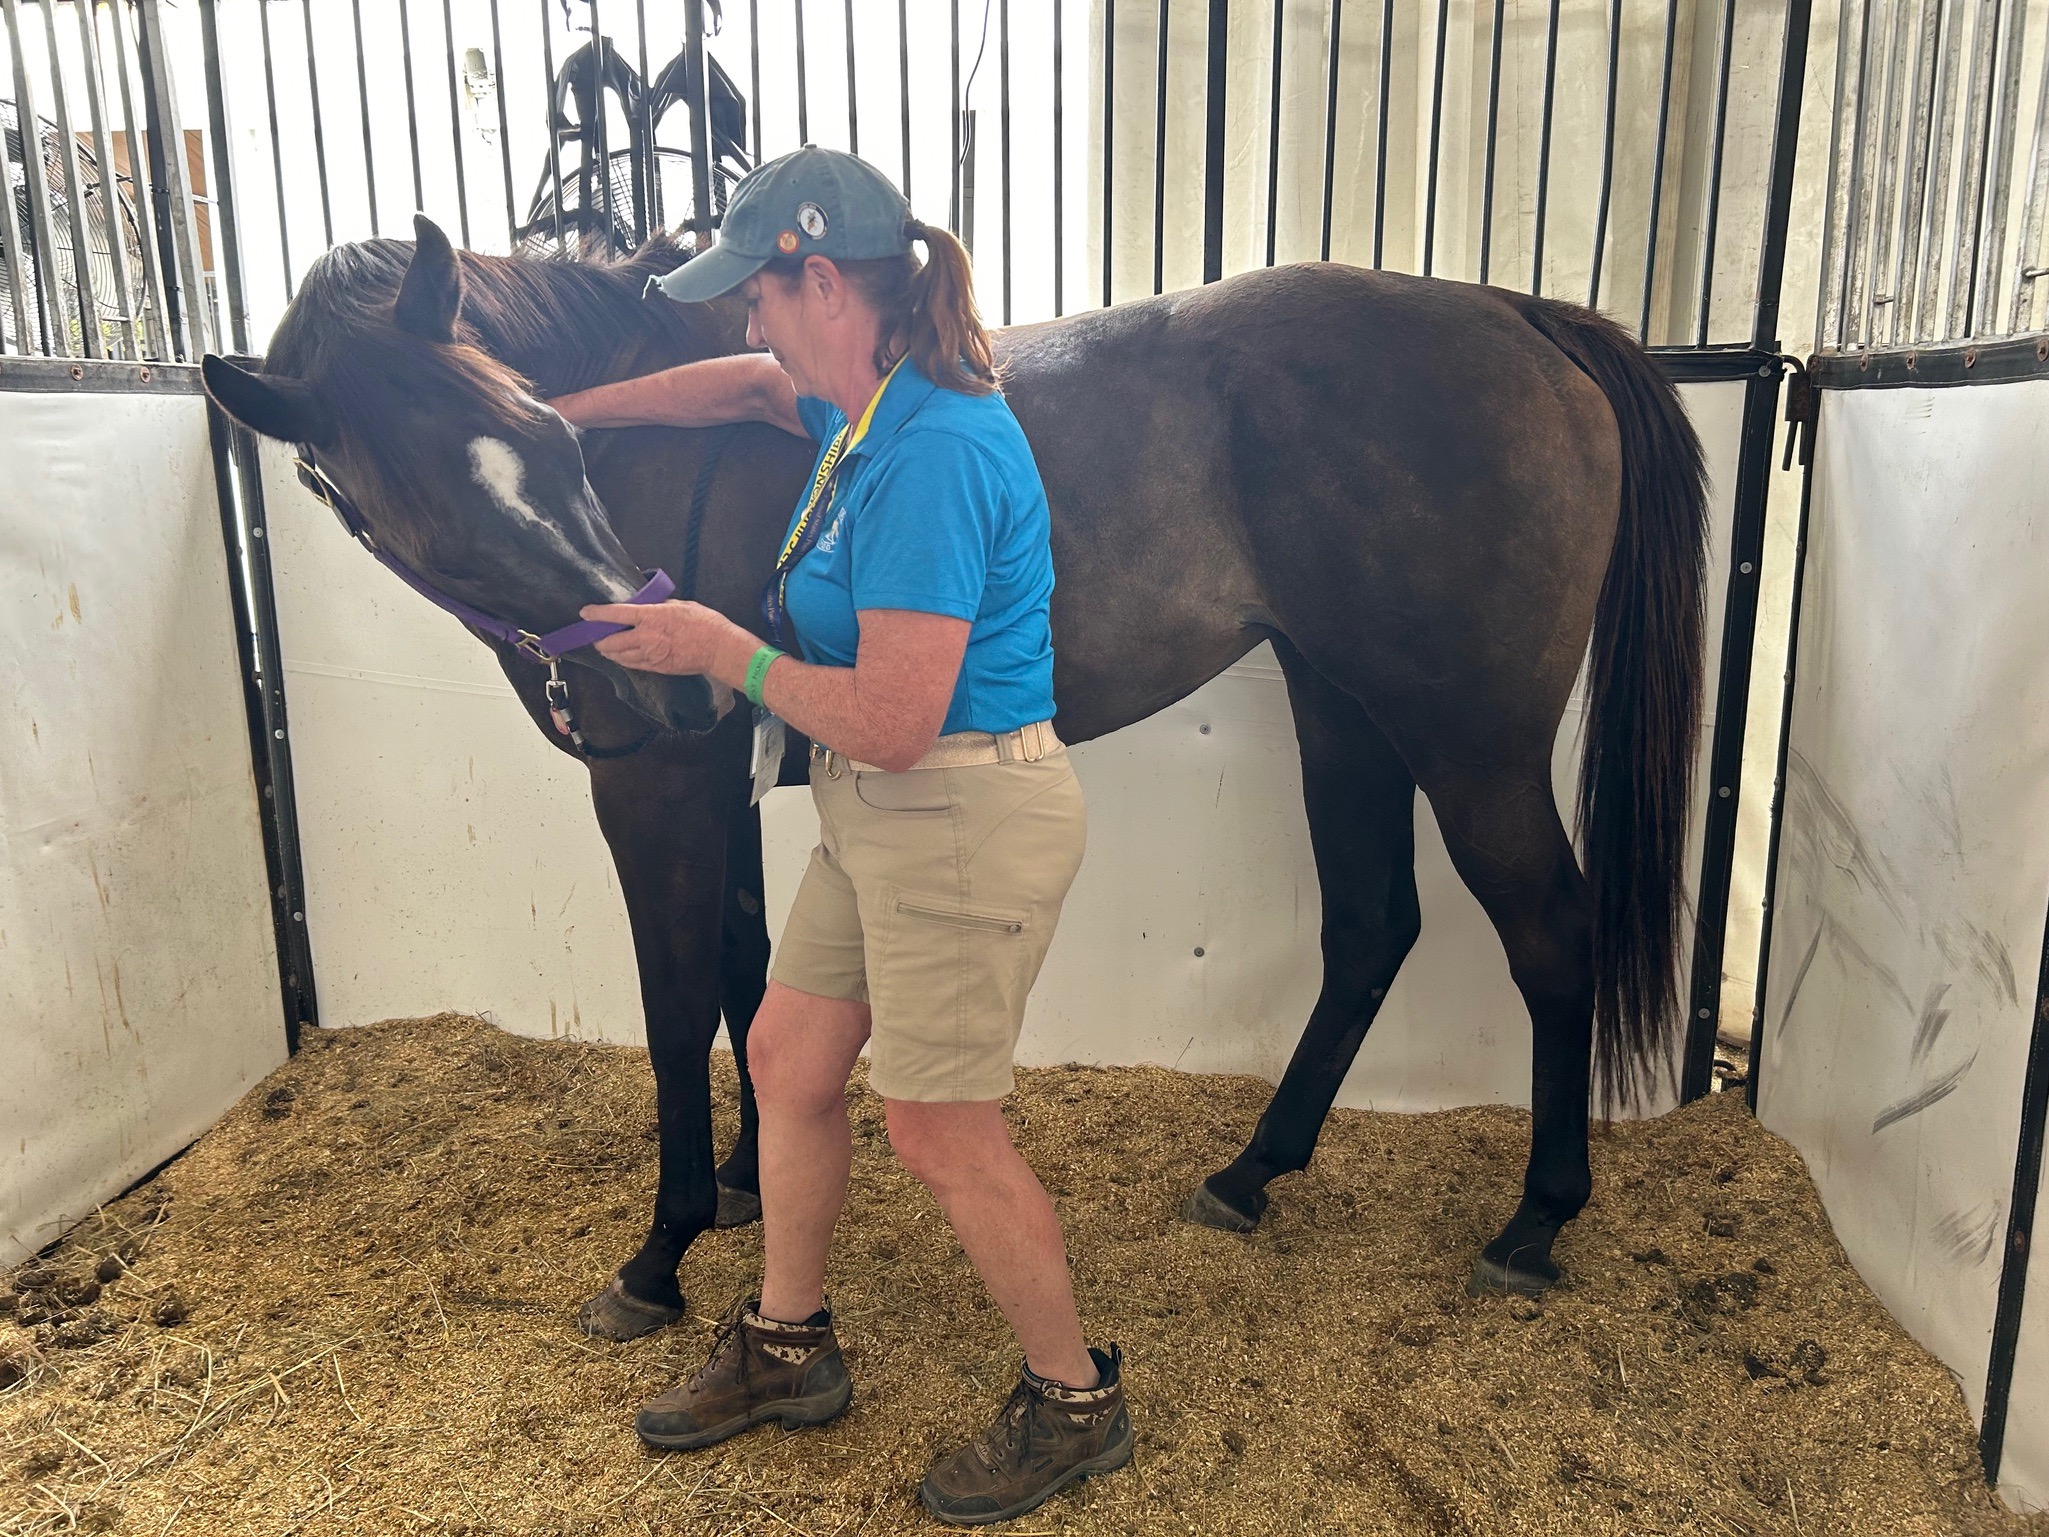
(927, 309)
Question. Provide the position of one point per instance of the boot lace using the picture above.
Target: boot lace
(1015, 1438)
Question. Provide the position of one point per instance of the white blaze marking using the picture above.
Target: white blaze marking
(496, 466)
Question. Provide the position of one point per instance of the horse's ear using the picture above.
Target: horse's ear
(431, 294)
(277, 408)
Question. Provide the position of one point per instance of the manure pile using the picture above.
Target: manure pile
(349, 1309)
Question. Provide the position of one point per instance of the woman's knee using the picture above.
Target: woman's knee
(944, 1144)
(800, 1066)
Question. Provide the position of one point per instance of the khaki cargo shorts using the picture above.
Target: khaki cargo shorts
(932, 896)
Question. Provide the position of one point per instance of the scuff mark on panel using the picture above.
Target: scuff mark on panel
(1986, 954)
(1967, 1237)
(1933, 1093)
(1933, 1018)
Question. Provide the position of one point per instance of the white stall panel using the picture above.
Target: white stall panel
(137, 973)
(1914, 865)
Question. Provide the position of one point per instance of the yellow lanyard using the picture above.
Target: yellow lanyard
(842, 445)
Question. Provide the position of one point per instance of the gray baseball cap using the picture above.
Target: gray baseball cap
(813, 202)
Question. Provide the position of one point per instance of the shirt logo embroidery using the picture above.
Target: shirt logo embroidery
(829, 540)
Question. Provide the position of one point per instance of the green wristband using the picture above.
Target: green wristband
(757, 671)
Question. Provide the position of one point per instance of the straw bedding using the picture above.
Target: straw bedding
(349, 1307)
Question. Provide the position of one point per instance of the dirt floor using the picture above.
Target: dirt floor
(349, 1309)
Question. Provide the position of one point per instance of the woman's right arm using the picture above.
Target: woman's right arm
(746, 387)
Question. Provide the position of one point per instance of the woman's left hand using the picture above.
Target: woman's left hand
(671, 637)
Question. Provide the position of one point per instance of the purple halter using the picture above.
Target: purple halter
(544, 649)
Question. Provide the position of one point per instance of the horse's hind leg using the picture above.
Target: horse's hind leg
(743, 978)
(1361, 803)
(1511, 850)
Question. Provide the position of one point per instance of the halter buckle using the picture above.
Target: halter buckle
(530, 643)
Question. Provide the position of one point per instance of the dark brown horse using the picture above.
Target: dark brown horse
(1428, 496)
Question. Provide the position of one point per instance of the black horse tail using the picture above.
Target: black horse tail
(1644, 688)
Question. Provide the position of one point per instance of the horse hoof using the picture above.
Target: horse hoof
(1493, 1276)
(737, 1208)
(616, 1314)
(1205, 1208)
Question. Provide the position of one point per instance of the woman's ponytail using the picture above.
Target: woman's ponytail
(940, 327)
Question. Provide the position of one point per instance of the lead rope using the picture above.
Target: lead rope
(560, 710)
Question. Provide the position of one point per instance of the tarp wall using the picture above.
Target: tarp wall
(1914, 865)
(138, 977)
(453, 861)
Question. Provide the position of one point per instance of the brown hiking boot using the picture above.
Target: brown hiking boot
(1047, 1437)
(759, 1370)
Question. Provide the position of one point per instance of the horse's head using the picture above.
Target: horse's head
(460, 472)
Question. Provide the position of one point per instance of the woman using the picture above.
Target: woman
(914, 581)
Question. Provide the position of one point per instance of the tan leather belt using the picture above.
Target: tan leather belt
(963, 749)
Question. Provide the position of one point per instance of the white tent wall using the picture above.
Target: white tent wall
(453, 861)
(1914, 865)
(138, 976)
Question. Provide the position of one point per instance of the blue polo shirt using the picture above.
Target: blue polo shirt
(939, 509)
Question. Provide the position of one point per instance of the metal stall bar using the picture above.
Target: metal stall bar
(405, 53)
(110, 181)
(227, 227)
(1650, 248)
(174, 188)
(1607, 154)
(363, 107)
(803, 80)
(1746, 555)
(74, 194)
(1380, 136)
(2020, 1231)
(1885, 201)
(702, 219)
(1059, 169)
(1544, 146)
(1854, 198)
(593, 140)
(319, 129)
(854, 91)
(238, 482)
(647, 174)
(1213, 141)
(156, 307)
(10, 250)
(1831, 247)
(1273, 134)
(1003, 142)
(1330, 122)
(754, 65)
(462, 185)
(1160, 157)
(1919, 144)
(504, 127)
(1984, 300)
(2031, 259)
(903, 88)
(56, 320)
(957, 113)
(1928, 260)
(1714, 205)
(1963, 251)
(1109, 123)
(1436, 139)
(1493, 135)
(548, 114)
(277, 148)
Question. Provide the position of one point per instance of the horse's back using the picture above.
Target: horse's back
(1401, 474)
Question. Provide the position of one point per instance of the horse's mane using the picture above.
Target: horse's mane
(546, 323)
(528, 325)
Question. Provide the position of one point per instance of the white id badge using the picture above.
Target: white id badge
(767, 764)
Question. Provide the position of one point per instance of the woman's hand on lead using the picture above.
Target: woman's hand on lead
(673, 637)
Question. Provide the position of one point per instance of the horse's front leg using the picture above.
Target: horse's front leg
(743, 978)
(664, 811)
